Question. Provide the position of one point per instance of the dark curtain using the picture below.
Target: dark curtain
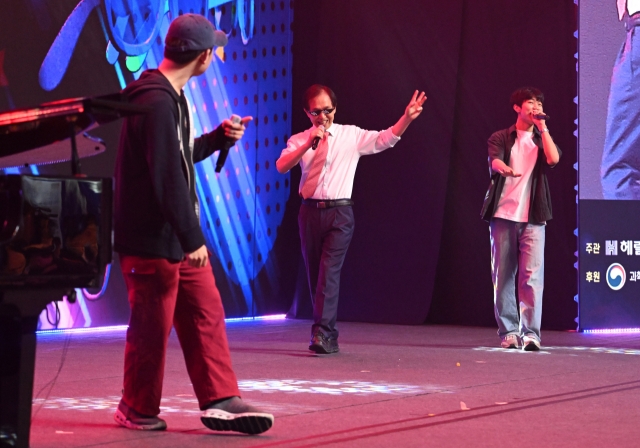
(420, 251)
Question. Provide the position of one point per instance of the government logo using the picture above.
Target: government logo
(616, 276)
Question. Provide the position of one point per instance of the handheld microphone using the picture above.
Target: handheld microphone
(542, 117)
(316, 140)
(224, 151)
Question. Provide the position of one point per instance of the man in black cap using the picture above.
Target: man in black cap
(162, 250)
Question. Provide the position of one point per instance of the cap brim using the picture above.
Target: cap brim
(219, 39)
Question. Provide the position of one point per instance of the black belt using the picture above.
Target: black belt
(327, 203)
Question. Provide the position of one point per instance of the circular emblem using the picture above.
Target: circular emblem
(616, 276)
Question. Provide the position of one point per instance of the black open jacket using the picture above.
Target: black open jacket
(500, 144)
(156, 206)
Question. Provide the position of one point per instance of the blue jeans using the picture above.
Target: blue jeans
(517, 246)
(620, 169)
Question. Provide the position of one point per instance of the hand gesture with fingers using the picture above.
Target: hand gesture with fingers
(414, 108)
(507, 171)
(235, 131)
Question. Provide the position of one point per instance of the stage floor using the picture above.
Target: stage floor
(390, 386)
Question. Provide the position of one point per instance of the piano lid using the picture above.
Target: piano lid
(56, 152)
(53, 124)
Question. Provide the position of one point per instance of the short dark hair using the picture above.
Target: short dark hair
(316, 90)
(525, 94)
(182, 57)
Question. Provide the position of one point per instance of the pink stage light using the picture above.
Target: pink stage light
(612, 330)
(124, 327)
(83, 330)
(269, 317)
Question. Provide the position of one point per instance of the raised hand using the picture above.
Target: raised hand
(539, 123)
(414, 108)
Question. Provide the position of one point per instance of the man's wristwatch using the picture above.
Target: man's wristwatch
(544, 130)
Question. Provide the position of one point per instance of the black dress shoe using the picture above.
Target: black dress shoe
(322, 344)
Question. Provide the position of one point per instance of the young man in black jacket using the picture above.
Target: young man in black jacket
(162, 250)
(518, 206)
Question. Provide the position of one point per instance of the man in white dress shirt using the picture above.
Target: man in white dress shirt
(328, 154)
(620, 168)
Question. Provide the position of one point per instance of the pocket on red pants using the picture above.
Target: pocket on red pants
(138, 265)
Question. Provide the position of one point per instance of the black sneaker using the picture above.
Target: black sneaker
(322, 344)
(129, 418)
(234, 414)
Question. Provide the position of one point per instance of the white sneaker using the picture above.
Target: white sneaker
(509, 341)
(530, 344)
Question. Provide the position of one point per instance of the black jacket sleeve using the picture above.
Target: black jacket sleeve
(207, 144)
(496, 148)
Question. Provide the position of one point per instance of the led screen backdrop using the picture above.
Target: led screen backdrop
(57, 49)
(609, 168)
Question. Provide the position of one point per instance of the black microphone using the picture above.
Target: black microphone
(542, 117)
(224, 151)
(316, 140)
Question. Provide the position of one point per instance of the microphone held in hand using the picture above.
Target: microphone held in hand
(224, 151)
(316, 140)
(541, 117)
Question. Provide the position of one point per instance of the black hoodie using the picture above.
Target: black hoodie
(155, 202)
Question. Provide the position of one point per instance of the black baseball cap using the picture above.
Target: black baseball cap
(193, 32)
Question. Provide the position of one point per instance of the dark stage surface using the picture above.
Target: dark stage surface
(389, 386)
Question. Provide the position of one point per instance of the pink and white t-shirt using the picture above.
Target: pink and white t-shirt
(515, 197)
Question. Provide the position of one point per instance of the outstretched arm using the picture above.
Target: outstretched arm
(503, 169)
(413, 110)
(228, 133)
(496, 144)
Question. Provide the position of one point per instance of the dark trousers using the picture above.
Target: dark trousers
(161, 295)
(325, 235)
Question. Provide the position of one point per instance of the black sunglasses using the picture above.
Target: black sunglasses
(316, 112)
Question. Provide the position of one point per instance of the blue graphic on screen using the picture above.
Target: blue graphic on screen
(242, 206)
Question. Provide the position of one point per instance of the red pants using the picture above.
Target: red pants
(162, 294)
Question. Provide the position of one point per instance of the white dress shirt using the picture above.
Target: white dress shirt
(632, 6)
(346, 144)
